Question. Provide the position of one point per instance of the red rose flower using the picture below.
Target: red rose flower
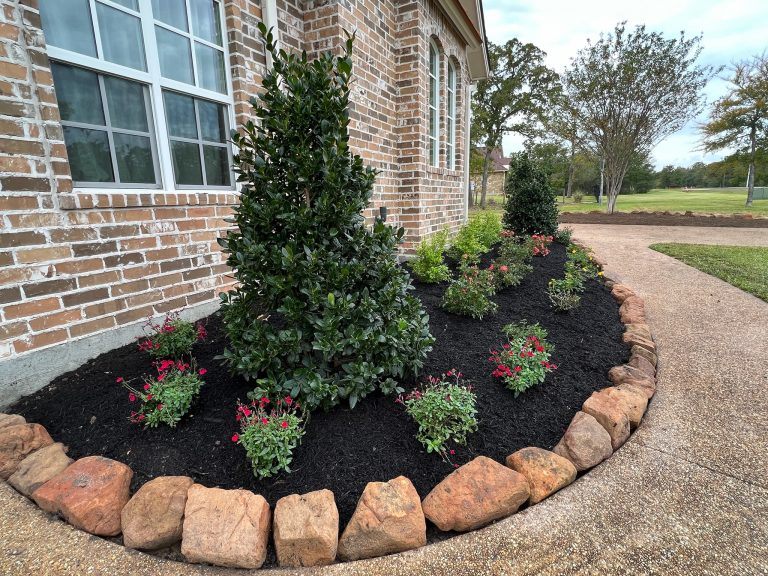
(235, 438)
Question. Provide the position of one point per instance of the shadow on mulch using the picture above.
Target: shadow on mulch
(345, 449)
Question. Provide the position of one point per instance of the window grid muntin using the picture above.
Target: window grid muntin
(434, 97)
(451, 117)
(155, 83)
(200, 142)
(110, 130)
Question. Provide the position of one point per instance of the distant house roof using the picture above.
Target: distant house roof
(499, 162)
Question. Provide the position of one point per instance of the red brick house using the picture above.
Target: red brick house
(115, 169)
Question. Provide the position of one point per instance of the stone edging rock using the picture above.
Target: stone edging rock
(232, 528)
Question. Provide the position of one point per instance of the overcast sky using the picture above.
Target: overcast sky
(732, 30)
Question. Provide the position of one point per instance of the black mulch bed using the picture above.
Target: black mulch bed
(344, 449)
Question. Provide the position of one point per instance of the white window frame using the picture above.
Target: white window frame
(155, 83)
(450, 116)
(433, 148)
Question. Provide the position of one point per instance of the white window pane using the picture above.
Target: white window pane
(186, 163)
(180, 115)
(125, 100)
(205, 20)
(88, 152)
(175, 55)
(216, 165)
(171, 12)
(213, 126)
(78, 94)
(210, 68)
(121, 38)
(134, 159)
(132, 4)
(67, 24)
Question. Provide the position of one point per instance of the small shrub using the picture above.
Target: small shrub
(486, 228)
(564, 292)
(173, 338)
(521, 330)
(269, 434)
(468, 295)
(515, 249)
(445, 411)
(465, 243)
(564, 235)
(581, 263)
(428, 266)
(506, 275)
(166, 398)
(531, 206)
(540, 244)
(578, 196)
(522, 363)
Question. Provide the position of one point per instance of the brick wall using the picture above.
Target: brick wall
(78, 263)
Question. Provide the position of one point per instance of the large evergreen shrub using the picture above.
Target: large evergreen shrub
(531, 206)
(322, 310)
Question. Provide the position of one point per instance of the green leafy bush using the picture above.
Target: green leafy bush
(269, 434)
(578, 196)
(322, 311)
(486, 228)
(564, 293)
(428, 266)
(522, 330)
(174, 338)
(564, 235)
(514, 249)
(531, 206)
(468, 295)
(166, 398)
(506, 275)
(445, 411)
(466, 245)
(524, 361)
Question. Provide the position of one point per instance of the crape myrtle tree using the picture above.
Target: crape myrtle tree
(740, 118)
(630, 90)
(512, 99)
(322, 311)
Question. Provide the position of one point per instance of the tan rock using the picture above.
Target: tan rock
(17, 442)
(225, 527)
(620, 292)
(154, 516)
(306, 529)
(474, 495)
(89, 494)
(610, 415)
(631, 399)
(388, 519)
(586, 443)
(644, 386)
(11, 420)
(545, 471)
(39, 467)
(632, 311)
(643, 364)
(619, 374)
(650, 356)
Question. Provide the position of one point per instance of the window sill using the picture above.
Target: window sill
(111, 198)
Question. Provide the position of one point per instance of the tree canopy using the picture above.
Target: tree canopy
(629, 90)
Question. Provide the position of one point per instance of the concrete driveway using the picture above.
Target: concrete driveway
(688, 494)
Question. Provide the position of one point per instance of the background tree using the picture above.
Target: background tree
(561, 122)
(629, 90)
(740, 118)
(511, 99)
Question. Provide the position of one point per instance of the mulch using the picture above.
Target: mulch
(663, 219)
(344, 449)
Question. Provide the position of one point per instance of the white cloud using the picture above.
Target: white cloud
(731, 31)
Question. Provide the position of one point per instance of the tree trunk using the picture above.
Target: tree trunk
(569, 184)
(751, 175)
(486, 165)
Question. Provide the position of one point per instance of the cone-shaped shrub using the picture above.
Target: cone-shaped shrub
(322, 310)
(531, 206)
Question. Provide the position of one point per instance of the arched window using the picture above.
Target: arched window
(434, 98)
(450, 117)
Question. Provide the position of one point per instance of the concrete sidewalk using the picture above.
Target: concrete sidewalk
(688, 494)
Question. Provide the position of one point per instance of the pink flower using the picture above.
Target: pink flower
(265, 421)
(132, 397)
(161, 377)
(235, 438)
(452, 452)
(202, 371)
(159, 406)
(284, 424)
(288, 400)
(119, 379)
(504, 268)
(146, 386)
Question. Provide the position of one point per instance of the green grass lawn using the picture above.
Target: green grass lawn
(703, 201)
(742, 266)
